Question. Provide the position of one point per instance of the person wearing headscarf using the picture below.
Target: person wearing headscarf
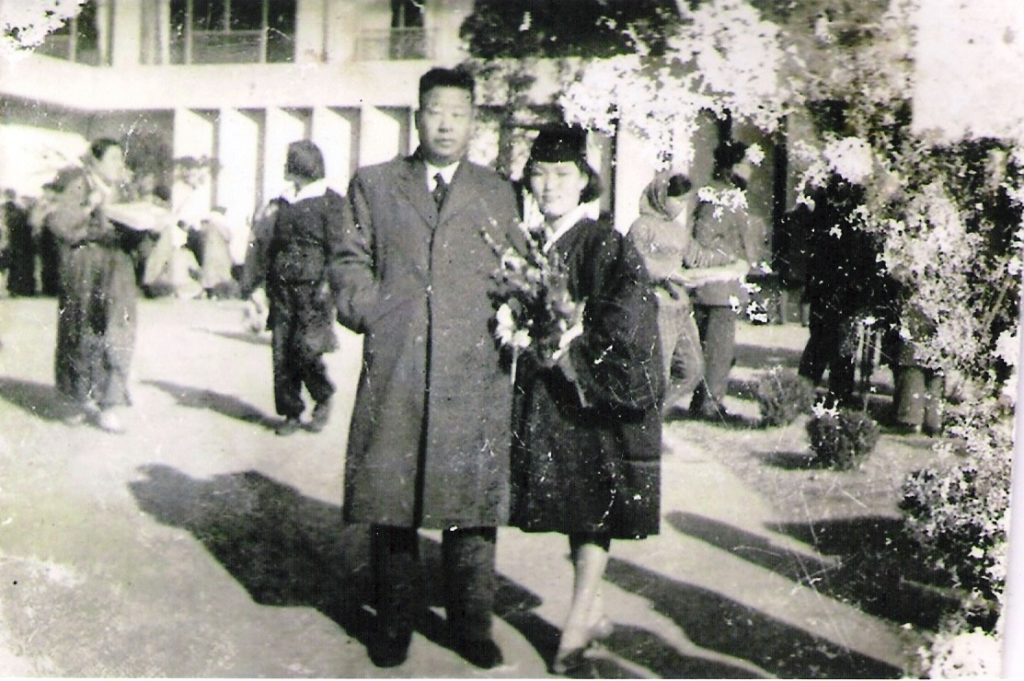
(587, 429)
(663, 236)
(97, 299)
(298, 235)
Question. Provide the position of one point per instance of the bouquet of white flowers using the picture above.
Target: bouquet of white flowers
(534, 310)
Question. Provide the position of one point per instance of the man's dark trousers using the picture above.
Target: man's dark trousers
(468, 567)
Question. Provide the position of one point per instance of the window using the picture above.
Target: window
(232, 31)
(406, 39)
(84, 38)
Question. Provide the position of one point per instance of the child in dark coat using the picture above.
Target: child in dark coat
(292, 250)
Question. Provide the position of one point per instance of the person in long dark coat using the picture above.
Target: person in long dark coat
(296, 248)
(587, 430)
(842, 280)
(97, 301)
(429, 441)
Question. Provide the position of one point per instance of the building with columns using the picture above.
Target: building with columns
(232, 80)
(238, 80)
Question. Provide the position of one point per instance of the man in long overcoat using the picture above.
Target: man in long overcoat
(429, 441)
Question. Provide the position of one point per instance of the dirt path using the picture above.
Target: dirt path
(199, 544)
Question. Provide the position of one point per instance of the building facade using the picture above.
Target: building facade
(235, 81)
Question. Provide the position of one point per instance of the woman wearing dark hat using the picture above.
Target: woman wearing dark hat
(97, 299)
(296, 246)
(587, 430)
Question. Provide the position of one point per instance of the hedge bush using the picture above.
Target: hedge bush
(841, 439)
(783, 396)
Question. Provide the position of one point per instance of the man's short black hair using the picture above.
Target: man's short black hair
(439, 77)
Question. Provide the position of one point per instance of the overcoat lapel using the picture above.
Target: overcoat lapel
(413, 186)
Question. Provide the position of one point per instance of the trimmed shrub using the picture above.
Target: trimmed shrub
(783, 396)
(841, 439)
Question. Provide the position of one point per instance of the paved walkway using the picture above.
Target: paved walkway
(199, 544)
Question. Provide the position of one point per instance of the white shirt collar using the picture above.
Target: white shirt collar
(563, 224)
(309, 191)
(447, 172)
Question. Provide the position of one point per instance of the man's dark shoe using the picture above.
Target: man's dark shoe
(709, 410)
(482, 652)
(321, 414)
(288, 426)
(390, 648)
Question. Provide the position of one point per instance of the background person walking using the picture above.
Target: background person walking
(298, 241)
(97, 302)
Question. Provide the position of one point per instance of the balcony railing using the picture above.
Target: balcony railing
(394, 44)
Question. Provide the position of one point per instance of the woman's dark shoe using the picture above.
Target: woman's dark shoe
(288, 426)
(483, 653)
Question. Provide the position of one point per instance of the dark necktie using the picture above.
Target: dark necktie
(440, 191)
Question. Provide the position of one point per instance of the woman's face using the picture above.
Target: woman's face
(111, 166)
(557, 187)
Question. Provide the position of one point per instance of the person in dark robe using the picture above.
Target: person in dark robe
(587, 428)
(97, 301)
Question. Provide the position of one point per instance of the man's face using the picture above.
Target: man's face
(445, 124)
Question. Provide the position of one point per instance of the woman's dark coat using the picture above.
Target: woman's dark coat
(429, 441)
(594, 468)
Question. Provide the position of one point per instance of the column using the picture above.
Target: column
(238, 150)
(282, 127)
(383, 134)
(634, 168)
(335, 131)
(194, 138)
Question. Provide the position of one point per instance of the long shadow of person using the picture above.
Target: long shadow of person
(880, 568)
(874, 566)
(284, 548)
(226, 405)
(37, 399)
(251, 338)
(289, 550)
(719, 624)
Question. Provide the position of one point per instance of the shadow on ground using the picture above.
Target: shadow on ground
(730, 628)
(871, 563)
(38, 399)
(288, 550)
(251, 338)
(225, 405)
(284, 548)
